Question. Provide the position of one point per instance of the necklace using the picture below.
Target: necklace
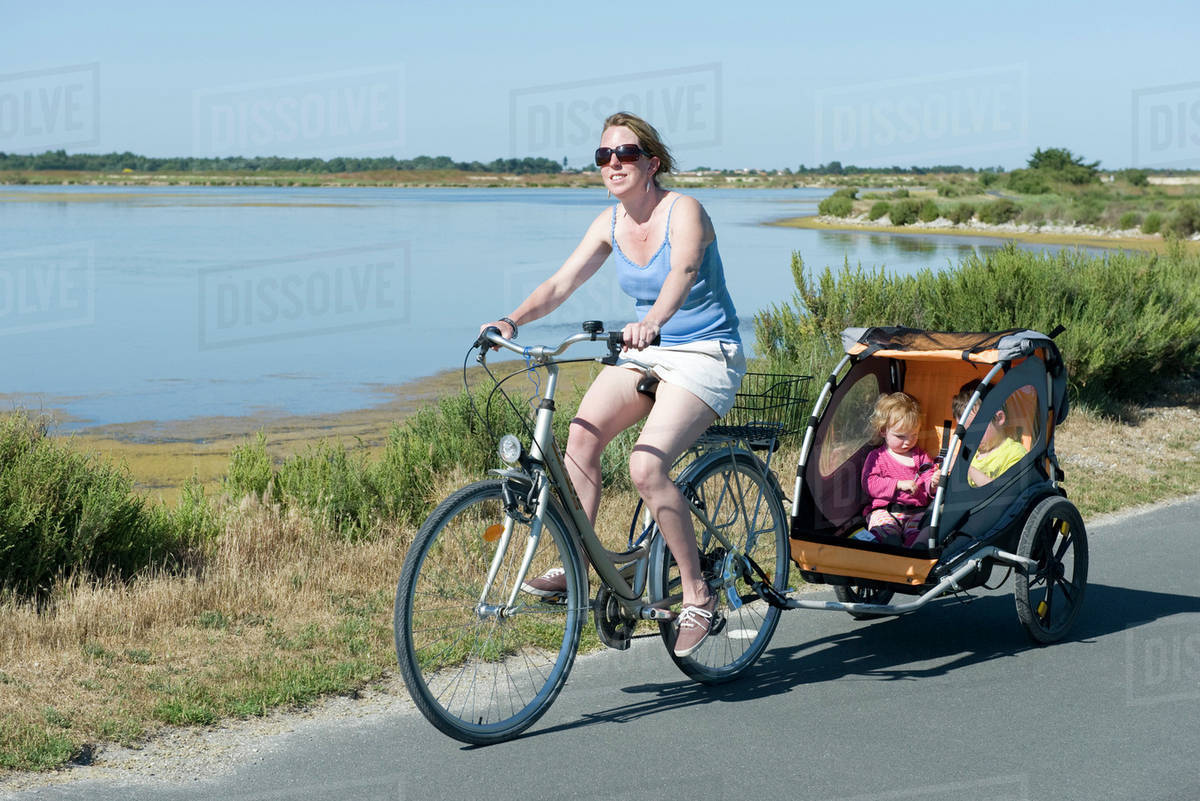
(641, 231)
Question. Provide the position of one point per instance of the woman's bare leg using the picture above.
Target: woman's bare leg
(676, 420)
(611, 405)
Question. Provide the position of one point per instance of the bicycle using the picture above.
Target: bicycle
(484, 660)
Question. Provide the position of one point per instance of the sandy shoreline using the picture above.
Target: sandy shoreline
(162, 455)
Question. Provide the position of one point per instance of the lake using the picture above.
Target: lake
(123, 304)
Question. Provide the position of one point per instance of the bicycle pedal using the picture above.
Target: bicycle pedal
(653, 613)
(718, 623)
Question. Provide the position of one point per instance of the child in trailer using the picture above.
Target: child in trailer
(899, 476)
(997, 451)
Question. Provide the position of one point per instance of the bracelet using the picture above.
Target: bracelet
(510, 322)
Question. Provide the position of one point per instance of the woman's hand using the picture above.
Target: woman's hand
(639, 335)
(506, 329)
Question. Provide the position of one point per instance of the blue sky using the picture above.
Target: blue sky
(769, 84)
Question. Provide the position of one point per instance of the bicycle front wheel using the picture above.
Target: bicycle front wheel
(480, 670)
(745, 506)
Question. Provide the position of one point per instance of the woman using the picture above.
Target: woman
(665, 254)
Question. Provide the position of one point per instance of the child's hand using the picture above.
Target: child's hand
(934, 480)
(906, 486)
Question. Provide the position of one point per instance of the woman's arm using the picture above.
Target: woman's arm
(581, 265)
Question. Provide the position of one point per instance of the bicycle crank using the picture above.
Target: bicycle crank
(613, 626)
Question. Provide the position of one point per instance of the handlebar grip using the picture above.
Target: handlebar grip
(616, 341)
(618, 338)
(483, 341)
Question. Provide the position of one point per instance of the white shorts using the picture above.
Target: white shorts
(710, 369)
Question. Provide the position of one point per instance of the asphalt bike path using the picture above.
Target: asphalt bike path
(949, 702)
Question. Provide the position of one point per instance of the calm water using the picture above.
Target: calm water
(165, 304)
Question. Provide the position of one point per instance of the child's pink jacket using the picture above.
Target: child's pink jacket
(881, 473)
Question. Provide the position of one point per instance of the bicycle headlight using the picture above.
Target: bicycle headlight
(509, 449)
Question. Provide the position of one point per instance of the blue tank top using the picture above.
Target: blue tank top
(706, 313)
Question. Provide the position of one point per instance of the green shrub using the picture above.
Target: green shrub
(1136, 177)
(1132, 319)
(998, 211)
(962, 213)
(929, 211)
(850, 192)
(251, 471)
(1153, 223)
(1027, 182)
(63, 512)
(195, 518)
(986, 179)
(904, 212)
(878, 210)
(948, 190)
(836, 206)
(1186, 219)
(1032, 215)
(900, 193)
(1087, 210)
(332, 484)
(1060, 164)
(1130, 219)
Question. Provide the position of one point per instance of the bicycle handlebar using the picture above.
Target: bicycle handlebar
(542, 353)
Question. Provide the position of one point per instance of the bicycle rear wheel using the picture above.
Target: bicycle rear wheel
(478, 671)
(744, 505)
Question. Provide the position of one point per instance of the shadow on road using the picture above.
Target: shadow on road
(933, 642)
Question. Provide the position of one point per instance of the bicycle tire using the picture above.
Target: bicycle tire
(744, 504)
(1049, 600)
(483, 679)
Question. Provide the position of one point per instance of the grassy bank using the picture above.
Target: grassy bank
(1057, 191)
(1046, 235)
(275, 587)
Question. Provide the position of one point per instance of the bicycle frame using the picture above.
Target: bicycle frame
(546, 454)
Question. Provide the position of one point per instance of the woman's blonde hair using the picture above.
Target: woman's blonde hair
(648, 138)
(895, 409)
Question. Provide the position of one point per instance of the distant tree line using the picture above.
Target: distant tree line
(1053, 163)
(837, 168)
(110, 162)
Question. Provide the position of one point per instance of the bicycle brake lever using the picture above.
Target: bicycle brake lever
(615, 342)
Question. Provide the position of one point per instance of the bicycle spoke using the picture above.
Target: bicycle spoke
(1062, 550)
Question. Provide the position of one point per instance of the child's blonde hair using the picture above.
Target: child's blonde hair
(897, 409)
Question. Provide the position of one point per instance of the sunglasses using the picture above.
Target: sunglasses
(626, 154)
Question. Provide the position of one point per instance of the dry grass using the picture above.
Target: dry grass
(279, 613)
(1143, 455)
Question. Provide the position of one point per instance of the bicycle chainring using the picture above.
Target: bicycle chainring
(613, 626)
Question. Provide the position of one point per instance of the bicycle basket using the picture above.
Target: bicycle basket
(768, 406)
